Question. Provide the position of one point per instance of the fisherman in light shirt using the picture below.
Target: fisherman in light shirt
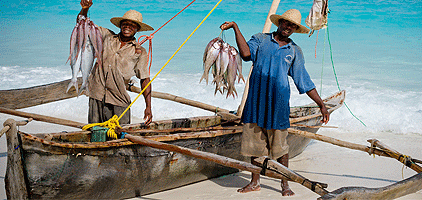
(123, 57)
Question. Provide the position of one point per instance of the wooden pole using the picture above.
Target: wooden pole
(396, 155)
(318, 188)
(380, 152)
(42, 118)
(266, 29)
(21, 123)
(220, 111)
(15, 178)
(273, 10)
(229, 162)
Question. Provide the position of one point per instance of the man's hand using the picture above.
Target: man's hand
(86, 3)
(325, 115)
(147, 116)
(313, 94)
(227, 25)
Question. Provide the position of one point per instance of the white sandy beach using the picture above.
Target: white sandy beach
(322, 162)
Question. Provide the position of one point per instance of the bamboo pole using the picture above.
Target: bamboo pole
(42, 118)
(380, 152)
(273, 10)
(229, 162)
(396, 155)
(219, 111)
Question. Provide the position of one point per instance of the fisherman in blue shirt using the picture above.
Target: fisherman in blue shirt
(266, 113)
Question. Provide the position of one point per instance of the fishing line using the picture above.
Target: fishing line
(335, 75)
(323, 59)
(149, 38)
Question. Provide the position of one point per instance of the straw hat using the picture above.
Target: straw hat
(291, 15)
(134, 16)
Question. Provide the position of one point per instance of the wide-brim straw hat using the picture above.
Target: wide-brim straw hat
(291, 15)
(134, 16)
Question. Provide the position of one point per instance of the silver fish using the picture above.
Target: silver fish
(317, 18)
(225, 64)
(86, 63)
(222, 63)
(210, 58)
(231, 72)
(75, 64)
(85, 46)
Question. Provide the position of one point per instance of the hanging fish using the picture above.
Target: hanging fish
(317, 18)
(86, 44)
(210, 56)
(225, 64)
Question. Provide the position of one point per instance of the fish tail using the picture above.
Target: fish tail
(83, 87)
(74, 83)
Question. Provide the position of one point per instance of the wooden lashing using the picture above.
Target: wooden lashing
(396, 155)
(268, 164)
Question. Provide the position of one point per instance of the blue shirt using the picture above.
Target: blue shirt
(267, 103)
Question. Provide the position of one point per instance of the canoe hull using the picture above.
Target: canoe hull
(122, 172)
(68, 166)
(129, 170)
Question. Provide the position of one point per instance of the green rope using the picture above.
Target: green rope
(323, 58)
(335, 75)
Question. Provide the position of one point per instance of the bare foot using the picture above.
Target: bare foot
(286, 191)
(250, 187)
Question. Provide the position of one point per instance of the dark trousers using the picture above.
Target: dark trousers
(99, 112)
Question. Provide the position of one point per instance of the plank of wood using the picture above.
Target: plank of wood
(32, 96)
(190, 135)
(177, 130)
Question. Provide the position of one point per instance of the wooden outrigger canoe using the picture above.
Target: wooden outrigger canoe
(67, 165)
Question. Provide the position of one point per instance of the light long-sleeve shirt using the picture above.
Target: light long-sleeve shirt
(119, 65)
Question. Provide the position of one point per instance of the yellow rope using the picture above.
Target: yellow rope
(111, 124)
(114, 121)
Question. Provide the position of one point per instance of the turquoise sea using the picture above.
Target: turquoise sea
(375, 46)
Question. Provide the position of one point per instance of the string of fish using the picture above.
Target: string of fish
(225, 64)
